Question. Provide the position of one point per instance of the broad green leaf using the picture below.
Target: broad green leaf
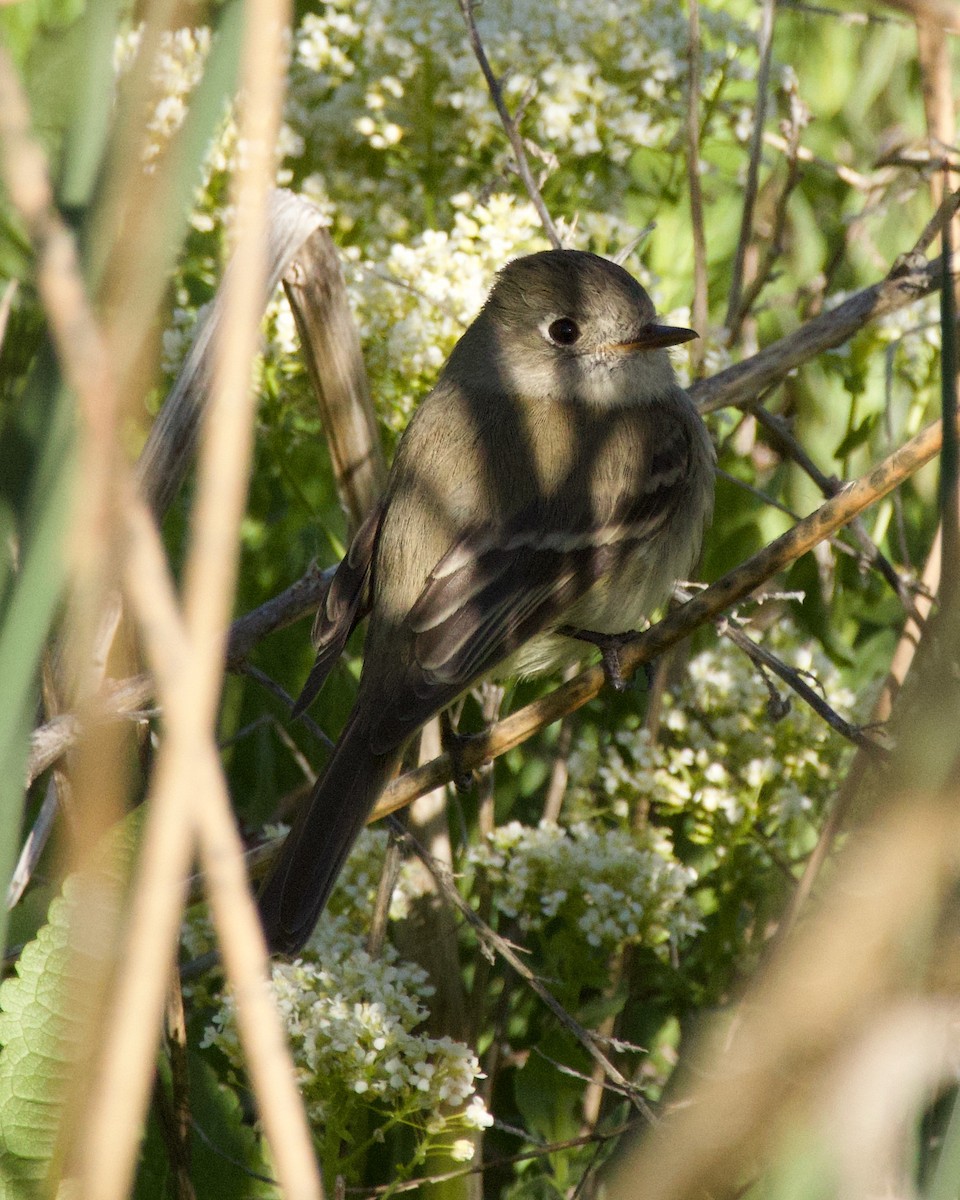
(44, 1015)
(34, 502)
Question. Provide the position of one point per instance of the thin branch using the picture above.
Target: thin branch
(679, 623)
(35, 844)
(498, 945)
(773, 245)
(122, 699)
(494, 1164)
(854, 179)
(765, 38)
(909, 280)
(509, 125)
(763, 658)
(830, 486)
(700, 311)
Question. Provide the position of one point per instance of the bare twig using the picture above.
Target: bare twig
(763, 658)
(734, 305)
(909, 280)
(494, 1164)
(509, 125)
(680, 622)
(700, 311)
(34, 846)
(830, 486)
(773, 245)
(854, 179)
(490, 938)
(118, 699)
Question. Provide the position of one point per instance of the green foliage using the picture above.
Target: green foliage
(655, 892)
(46, 1012)
(34, 495)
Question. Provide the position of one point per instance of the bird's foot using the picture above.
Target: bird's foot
(609, 645)
(454, 743)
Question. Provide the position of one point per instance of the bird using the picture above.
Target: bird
(546, 494)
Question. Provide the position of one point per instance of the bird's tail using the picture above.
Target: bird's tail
(311, 858)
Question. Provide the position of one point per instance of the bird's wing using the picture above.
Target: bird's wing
(346, 603)
(497, 587)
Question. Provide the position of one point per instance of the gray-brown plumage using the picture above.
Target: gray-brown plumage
(557, 475)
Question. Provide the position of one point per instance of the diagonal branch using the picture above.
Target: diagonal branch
(910, 279)
(677, 625)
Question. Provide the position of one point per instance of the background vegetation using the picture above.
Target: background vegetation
(696, 938)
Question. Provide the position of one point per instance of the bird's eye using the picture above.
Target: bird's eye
(563, 331)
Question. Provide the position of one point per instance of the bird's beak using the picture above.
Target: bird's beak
(651, 337)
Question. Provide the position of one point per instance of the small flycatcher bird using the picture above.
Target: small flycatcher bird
(548, 492)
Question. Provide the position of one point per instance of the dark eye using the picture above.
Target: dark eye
(563, 331)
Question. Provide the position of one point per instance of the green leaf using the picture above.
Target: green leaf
(44, 1015)
(857, 436)
(34, 499)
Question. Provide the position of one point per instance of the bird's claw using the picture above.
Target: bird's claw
(453, 744)
(609, 645)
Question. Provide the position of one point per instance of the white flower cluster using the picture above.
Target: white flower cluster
(615, 888)
(721, 759)
(390, 129)
(591, 83)
(176, 72)
(352, 1024)
(415, 304)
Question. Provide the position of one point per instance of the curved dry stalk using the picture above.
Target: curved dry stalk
(330, 344)
(170, 445)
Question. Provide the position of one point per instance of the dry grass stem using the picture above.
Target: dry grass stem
(824, 989)
(331, 347)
